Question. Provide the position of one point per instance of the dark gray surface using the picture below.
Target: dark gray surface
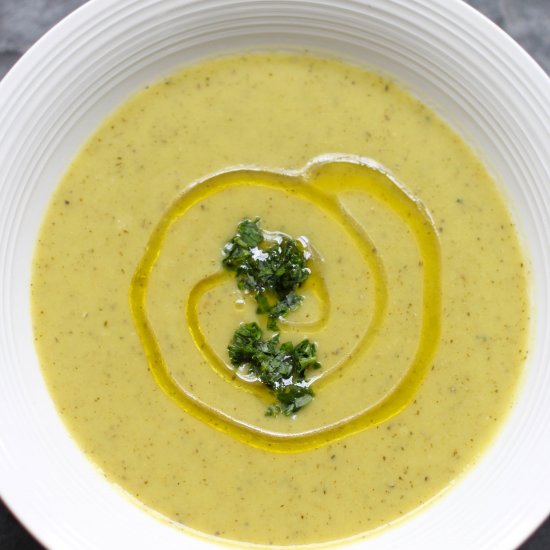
(22, 22)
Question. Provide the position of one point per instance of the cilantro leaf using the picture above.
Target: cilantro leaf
(289, 303)
(238, 250)
(244, 343)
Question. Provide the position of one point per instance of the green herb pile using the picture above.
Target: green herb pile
(271, 269)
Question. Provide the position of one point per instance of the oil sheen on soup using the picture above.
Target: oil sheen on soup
(417, 299)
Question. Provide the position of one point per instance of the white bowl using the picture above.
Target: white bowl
(448, 55)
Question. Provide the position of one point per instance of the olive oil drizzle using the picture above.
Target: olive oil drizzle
(319, 183)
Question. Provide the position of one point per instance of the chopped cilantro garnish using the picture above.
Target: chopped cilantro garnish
(271, 269)
(281, 367)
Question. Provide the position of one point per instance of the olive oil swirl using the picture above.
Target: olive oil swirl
(320, 183)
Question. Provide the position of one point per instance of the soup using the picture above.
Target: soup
(417, 299)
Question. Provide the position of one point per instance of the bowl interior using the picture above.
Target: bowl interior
(445, 53)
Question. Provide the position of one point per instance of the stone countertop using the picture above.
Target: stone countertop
(22, 22)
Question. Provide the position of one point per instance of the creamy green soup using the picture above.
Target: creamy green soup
(417, 300)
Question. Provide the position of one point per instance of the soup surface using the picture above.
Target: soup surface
(417, 302)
